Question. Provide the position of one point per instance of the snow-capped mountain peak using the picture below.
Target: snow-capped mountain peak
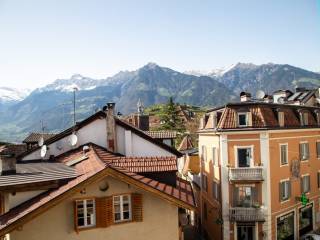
(12, 94)
(68, 85)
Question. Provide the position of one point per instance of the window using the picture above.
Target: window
(214, 156)
(318, 149)
(244, 157)
(216, 190)
(281, 118)
(245, 196)
(204, 182)
(204, 153)
(285, 190)
(305, 184)
(304, 118)
(284, 154)
(304, 151)
(242, 119)
(85, 212)
(122, 208)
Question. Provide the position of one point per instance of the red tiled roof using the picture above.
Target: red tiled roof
(139, 164)
(186, 143)
(264, 115)
(90, 167)
(163, 134)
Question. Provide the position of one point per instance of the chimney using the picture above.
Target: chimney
(245, 97)
(7, 161)
(111, 126)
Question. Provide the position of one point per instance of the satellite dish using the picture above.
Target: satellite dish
(41, 141)
(281, 100)
(260, 94)
(73, 139)
(43, 151)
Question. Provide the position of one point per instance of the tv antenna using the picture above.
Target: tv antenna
(74, 106)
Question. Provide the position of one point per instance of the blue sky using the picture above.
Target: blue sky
(44, 40)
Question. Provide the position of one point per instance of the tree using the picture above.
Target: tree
(169, 118)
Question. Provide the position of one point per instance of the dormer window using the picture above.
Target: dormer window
(281, 119)
(243, 120)
(304, 118)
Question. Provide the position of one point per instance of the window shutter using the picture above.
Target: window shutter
(137, 207)
(109, 211)
(101, 214)
(249, 119)
(75, 216)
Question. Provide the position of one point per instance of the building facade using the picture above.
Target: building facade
(260, 171)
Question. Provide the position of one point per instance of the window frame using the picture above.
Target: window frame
(318, 153)
(246, 119)
(251, 147)
(85, 212)
(216, 190)
(121, 203)
(215, 161)
(287, 152)
(306, 176)
(287, 183)
(281, 118)
(305, 143)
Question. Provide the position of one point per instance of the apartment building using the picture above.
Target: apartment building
(260, 165)
(100, 179)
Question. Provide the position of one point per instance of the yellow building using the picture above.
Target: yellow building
(260, 171)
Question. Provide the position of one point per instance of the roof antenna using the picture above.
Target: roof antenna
(41, 139)
(73, 140)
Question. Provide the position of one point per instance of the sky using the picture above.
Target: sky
(41, 41)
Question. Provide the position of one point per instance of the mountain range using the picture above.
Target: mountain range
(22, 111)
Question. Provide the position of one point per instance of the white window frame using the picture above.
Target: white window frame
(302, 177)
(281, 118)
(121, 202)
(247, 119)
(304, 118)
(244, 147)
(93, 216)
(215, 161)
(287, 152)
(307, 159)
(287, 180)
(204, 153)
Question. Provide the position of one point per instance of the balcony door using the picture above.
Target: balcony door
(246, 232)
(244, 157)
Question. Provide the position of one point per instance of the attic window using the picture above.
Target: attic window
(304, 118)
(281, 119)
(243, 119)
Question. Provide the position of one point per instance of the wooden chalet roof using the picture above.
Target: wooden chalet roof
(90, 168)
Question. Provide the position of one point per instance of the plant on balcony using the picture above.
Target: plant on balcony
(256, 205)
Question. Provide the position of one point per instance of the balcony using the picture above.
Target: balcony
(253, 174)
(242, 214)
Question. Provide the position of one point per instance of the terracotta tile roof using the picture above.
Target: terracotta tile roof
(92, 167)
(264, 115)
(34, 137)
(163, 134)
(138, 164)
(186, 143)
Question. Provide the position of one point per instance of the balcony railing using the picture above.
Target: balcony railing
(245, 174)
(241, 214)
